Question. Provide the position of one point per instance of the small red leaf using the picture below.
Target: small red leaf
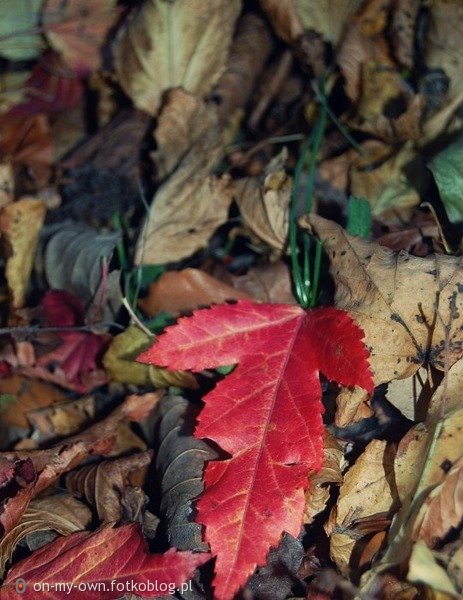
(92, 565)
(267, 414)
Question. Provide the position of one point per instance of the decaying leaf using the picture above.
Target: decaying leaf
(386, 185)
(120, 363)
(264, 205)
(266, 282)
(443, 508)
(20, 225)
(185, 212)
(382, 86)
(252, 45)
(364, 41)
(61, 513)
(281, 348)
(18, 478)
(96, 556)
(100, 438)
(29, 394)
(103, 484)
(403, 303)
(170, 44)
(180, 464)
(425, 456)
(189, 206)
(403, 23)
(367, 491)
(77, 29)
(424, 569)
(181, 291)
(443, 41)
(292, 18)
(60, 419)
(184, 121)
(75, 258)
(69, 358)
(29, 146)
(333, 466)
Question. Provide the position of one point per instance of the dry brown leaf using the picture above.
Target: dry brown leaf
(103, 484)
(174, 43)
(20, 225)
(386, 185)
(407, 306)
(190, 205)
(424, 458)
(185, 212)
(403, 23)
(366, 495)
(267, 283)
(318, 492)
(423, 569)
(27, 143)
(77, 29)
(180, 291)
(6, 183)
(364, 41)
(264, 206)
(61, 513)
(61, 420)
(382, 86)
(443, 51)
(29, 394)
(120, 362)
(406, 394)
(183, 121)
(292, 18)
(100, 438)
(442, 509)
(251, 47)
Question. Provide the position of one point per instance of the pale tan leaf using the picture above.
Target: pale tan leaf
(442, 509)
(20, 225)
(189, 206)
(183, 121)
(264, 205)
(367, 490)
(174, 43)
(318, 492)
(424, 569)
(423, 459)
(291, 18)
(186, 211)
(6, 183)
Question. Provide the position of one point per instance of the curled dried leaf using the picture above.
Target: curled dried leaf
(120, 363)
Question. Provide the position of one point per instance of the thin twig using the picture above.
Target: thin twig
(135, 319)
(33, 329)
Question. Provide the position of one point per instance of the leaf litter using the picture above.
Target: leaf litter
(175, 179)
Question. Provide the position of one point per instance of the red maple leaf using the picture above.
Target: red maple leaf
(91, 565)
(267, 414)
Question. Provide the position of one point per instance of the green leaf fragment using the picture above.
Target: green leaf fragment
(359, 217)
(447, 169)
